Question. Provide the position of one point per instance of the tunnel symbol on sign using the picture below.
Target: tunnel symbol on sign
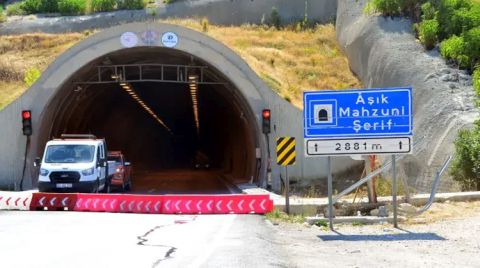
(323, 113)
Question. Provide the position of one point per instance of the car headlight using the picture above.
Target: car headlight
(44, 172)
(88, 172)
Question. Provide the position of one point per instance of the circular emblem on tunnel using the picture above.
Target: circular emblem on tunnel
(129, 39)
(169, 39)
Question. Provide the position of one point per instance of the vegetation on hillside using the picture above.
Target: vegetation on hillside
(289, 60)
(72, 7)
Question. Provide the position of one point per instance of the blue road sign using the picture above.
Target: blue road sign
(358, 113)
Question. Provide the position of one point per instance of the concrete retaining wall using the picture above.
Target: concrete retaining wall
(225, 12)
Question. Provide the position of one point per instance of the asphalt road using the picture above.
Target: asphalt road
(75, 239)
(181, 182)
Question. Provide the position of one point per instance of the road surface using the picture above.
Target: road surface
(76, 239)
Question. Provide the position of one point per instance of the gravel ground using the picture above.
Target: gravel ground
(445, 243)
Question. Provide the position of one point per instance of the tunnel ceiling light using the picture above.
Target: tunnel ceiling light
(192, 82)
(129, 89)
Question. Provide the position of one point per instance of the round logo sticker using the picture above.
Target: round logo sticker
(169, 39)
(129, 39)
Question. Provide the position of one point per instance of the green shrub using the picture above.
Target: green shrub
(463, 20)
(103, 5)
(446, 11)
(31, 6)
(386, 7)
(71, 7)
(476, 81)
(15, 9)
(428, 31)
(472, 46)
(275, 19)
(466, 164)
(48, 6)
(31, 76)
(452, 47)
(3, 17)
(428, 11)
(131, 4)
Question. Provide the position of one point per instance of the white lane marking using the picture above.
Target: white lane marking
(240, 204)
(41, 201)
(218, 204)
(52, 202)
(187, 205)
(204, 255)
(198, 205)
(229, 205)
(209, 205)
(251, 205)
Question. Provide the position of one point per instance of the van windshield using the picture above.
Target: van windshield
(70, 154)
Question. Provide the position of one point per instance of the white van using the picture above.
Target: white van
(75, 163)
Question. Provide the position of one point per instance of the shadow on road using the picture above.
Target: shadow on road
(408, 236)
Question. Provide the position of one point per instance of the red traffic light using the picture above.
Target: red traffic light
(266, 114)
(26, 114)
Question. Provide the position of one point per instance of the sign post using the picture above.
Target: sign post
(286, 156)
(358, 122)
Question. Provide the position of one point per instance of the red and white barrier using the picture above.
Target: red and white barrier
(125, 203)
(155, 204)
(15, 200)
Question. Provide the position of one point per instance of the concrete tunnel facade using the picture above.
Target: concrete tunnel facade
(230, 110)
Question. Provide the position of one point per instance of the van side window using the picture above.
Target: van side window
(102, 152)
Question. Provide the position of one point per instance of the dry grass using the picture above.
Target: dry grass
(289, 61)
(22, 52)
(447, 211)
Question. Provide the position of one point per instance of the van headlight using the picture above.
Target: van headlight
(44, 172)
(88, 172)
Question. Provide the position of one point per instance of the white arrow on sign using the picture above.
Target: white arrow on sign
(187, 205)
(262, 204)
(157, 206)
(229, 205)
(41, 201)
(167, 204)
(198, 205)
(139, 206)
(176, 205)
(147, 206)
(209, 205)
(218, 204)
(52, 201)
(64, 200)
(240, 204)
(251, 205)
(112, 204)
(122, 205)
(104, 204)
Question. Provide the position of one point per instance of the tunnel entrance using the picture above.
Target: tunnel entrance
(181, 123)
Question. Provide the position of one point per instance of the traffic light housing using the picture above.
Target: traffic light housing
(27, 122)
(266, 128)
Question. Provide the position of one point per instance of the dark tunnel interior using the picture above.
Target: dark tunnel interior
(225, 138)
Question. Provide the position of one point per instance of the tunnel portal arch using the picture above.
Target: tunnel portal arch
(52, 98)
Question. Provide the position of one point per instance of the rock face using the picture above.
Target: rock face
(383, 52)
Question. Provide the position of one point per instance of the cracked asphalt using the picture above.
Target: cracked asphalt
(74, 239)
